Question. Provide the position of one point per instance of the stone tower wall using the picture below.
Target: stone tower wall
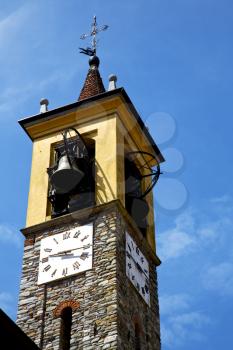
(132, 309)
(105, 304)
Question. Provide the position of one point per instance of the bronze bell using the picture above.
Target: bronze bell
(66, 177)
(138, 209)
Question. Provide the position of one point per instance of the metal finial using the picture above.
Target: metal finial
(91, 51)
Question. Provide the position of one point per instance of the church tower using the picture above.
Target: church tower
(89, 267)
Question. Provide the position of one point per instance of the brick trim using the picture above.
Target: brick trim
(29, 241)
(66, 303)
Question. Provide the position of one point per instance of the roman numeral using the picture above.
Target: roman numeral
(47, 250)
(66, 235)
(65, 271)
(77, 234)
(130, 266)
(84, 255)
(86, 246)
(54, 272)
(137, 251)
(55, 240)
(129, 247)
(83, 239)
(45, 260)
(76, 265)
(47, 268)
(128, 255)
(143, 291)
(146, 289)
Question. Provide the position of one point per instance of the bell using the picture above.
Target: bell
(66, 177)
(138, 209)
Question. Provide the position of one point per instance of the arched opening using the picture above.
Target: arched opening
(136, 206)
(137, 339)
(81, 196)
(65, 330)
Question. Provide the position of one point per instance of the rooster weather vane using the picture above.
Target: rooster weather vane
(91, 51)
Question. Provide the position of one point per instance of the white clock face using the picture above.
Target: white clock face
(65, 254)
(137, 268)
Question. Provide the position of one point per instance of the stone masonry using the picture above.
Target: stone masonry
(105, 305)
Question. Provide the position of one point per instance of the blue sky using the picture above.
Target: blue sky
(174, 58)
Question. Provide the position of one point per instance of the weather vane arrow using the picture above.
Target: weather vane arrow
(91, 51)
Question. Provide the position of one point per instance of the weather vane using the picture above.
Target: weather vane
(91, 51)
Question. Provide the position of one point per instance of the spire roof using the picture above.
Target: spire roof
(93, 84)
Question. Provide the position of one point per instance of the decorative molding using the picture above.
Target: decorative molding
(83, 216)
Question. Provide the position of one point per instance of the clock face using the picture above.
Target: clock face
(137, 268)
(65, 254)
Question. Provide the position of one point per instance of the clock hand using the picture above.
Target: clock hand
(83, 256)
(139, 267)
(86, 246)
(137, 264)
(65, 253)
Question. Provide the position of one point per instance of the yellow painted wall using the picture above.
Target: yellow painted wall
(105, 136)
(111, 126)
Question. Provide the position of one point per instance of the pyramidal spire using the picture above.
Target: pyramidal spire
(93, 84)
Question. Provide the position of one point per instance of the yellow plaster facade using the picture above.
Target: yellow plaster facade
(112, 126)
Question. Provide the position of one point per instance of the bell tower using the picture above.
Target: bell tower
(89, 267)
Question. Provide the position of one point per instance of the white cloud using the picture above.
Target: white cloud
(208, 232)
(201, 238)
(179, 323)
(11, 97)
(222, 199)
(6, 300)
(11, 24)
(9, 236)
(20, 33)
(185, 221)
(188, 327)
(174, 243)
(219, 278)
(195, 319)
(179, 240)
(197, 229)
(223, 206)
(169, 304)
